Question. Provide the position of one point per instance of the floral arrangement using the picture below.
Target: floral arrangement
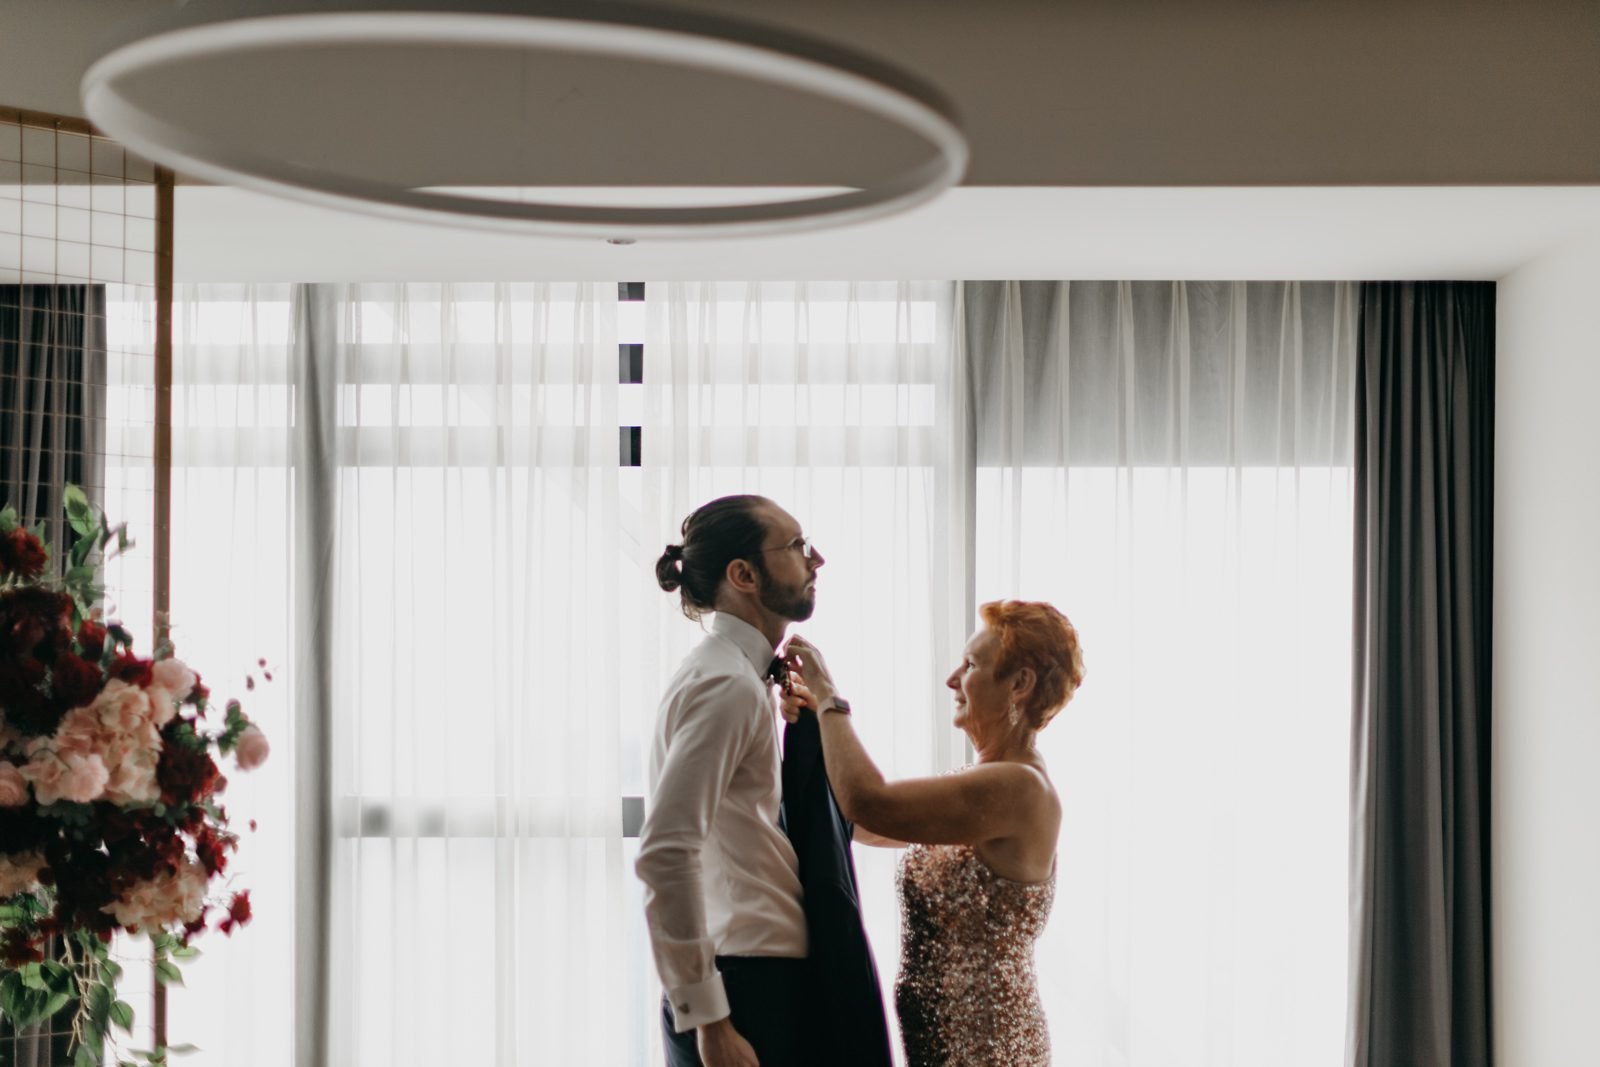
(110, 791)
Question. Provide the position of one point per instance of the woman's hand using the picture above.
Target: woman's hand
(813, 668)
(795, 699)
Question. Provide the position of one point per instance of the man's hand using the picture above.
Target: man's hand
(813, 668)
(721, 1046)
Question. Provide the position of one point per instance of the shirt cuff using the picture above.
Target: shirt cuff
(698, 1004)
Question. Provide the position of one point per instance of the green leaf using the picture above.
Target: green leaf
(122, 1015)
(80, 551)
(185, 952)
(111, 969)
(80, 513)
(100, 1000)
(56, 1002)
(85, 1057)
(24, 1006)
(8, 519)
(183, 1049)
(167, 973)
(33, 977)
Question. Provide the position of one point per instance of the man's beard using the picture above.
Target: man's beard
(790, 603)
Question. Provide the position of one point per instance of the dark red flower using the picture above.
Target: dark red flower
(91, 638)
(19, 674)
(18, 948)
(199, 924)
(212, 850)
(28, 707)
(238, 912)
(22, 554)
(34, 622)
(131, 669)
(199, 694)
(185, 774)
(75, 680)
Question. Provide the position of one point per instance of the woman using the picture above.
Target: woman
(977, 881)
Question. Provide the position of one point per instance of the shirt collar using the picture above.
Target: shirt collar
(746, 638)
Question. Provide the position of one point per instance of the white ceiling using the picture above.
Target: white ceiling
(1464, 233)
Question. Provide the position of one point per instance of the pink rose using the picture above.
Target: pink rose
(165, 900)
(252, 749)
(162, 705)
(74, 777)
(122, 707)
(80, 731)
(84, 780)
(175, 677)
(13, 787)
(132, 760)
(19, 872)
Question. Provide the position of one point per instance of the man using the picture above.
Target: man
(722, 886)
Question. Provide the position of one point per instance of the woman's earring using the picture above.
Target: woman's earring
(1015, 714)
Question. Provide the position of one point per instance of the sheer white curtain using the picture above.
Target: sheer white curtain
(835, 400)
(232, 547)
(478, 888)
(477, 871)
(1170, 465)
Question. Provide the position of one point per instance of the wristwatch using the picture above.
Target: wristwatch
(836, 703)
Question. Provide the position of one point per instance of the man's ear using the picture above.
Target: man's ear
(741, 575)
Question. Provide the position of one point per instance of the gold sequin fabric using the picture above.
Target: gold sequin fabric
(967, 994)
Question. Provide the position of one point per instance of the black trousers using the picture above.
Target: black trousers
(769, 998)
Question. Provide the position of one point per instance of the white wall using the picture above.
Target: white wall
(1546, 806)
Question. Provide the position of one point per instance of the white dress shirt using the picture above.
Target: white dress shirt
(720, 878)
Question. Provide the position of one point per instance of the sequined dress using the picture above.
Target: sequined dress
(966, 994)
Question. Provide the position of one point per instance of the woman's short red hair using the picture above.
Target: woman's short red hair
(1034, 634)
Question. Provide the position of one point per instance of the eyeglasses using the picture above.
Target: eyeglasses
(801, 544)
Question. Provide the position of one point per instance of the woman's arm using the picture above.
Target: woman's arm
(981, 804)
(862, 836)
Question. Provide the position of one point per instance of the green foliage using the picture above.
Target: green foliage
(167, 973)
(34, 992)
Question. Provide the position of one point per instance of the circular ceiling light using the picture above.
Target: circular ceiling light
(306, 101)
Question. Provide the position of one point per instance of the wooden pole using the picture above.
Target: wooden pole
(45, 121)
(161, 591)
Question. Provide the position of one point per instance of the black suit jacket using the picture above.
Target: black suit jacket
(850, 1027)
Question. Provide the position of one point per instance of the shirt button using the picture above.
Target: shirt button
(683, 1007)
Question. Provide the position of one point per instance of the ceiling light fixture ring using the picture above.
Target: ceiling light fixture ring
(696, 41)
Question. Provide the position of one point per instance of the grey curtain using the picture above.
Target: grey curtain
(1167, 374)
(317, 362)
(1419, 956)
(52, 399)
